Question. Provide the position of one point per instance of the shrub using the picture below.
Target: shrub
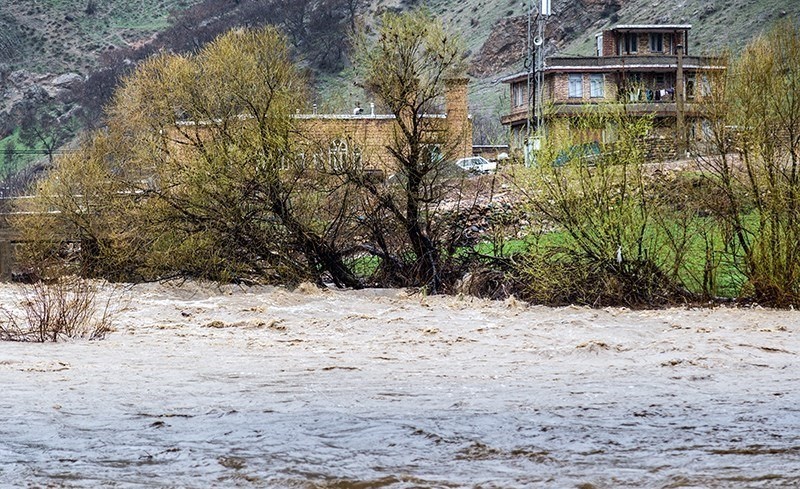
(605, 237)
(753, 123)
(64, 308)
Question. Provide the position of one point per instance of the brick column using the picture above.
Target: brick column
(459, 125)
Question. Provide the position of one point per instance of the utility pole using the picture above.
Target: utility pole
(680, 124)
(535, 64)
(529, 62)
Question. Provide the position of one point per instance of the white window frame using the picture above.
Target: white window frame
(300, 161)
(631, 40)
(358, 161)
(575, 85)
(656, 42)
(705, 86)
(518, 94)
(690, 86)
(337, 155)
(597, 85)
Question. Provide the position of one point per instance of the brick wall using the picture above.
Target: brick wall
(614, 41)
(559, 82)
(458, 124)
(560, 87)
(320, 138)
(609, 43)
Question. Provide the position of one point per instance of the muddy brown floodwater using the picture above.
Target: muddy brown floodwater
(208, 387)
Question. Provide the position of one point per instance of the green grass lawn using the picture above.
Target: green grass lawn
(701, 259)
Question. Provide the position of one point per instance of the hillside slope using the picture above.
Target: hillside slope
(69, 35)
(60, 59)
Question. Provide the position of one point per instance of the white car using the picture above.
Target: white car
(477, 164)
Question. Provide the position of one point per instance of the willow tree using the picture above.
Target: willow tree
(204, 145)
(753, 115)
(407, 66)
(79, 202)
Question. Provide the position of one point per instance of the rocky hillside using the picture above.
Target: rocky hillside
(60, 59)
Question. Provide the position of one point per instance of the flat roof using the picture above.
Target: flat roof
(650, 27)
(515, 76)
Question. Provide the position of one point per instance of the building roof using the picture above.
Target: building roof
(651, 27)
(514, 77)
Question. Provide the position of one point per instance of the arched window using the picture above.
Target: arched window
(358, 164)
(337, 155)
(300, 161)
(319, 161)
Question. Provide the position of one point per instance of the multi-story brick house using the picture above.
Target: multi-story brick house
(634, 65)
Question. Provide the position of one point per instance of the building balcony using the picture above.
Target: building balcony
(517, 115)
(633, 63)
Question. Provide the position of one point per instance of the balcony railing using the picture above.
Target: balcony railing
(633, 63)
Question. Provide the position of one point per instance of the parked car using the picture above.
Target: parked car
(477, 164)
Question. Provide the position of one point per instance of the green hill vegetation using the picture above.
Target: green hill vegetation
(62, 36)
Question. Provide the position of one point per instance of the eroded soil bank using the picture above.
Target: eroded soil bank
(208, 387)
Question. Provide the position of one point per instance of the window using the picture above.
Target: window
(432, 153)
(518, 136)
(656, 42)
(705, 86)
(518, 94)
(358, 163)
(337, 155)
(690, 83)
(596, 85)
(631, 43)
(318, 161)
(284, 164)
(576, 85)
(300, 161)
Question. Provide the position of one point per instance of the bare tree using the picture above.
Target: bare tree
(407, 68)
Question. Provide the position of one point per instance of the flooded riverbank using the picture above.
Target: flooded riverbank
(260, 387)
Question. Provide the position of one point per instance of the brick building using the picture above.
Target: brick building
(366, 136)
(635, 65)
(362, 138)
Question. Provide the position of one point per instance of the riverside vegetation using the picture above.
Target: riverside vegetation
(149, 199)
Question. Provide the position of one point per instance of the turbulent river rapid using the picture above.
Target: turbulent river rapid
(225, 387)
